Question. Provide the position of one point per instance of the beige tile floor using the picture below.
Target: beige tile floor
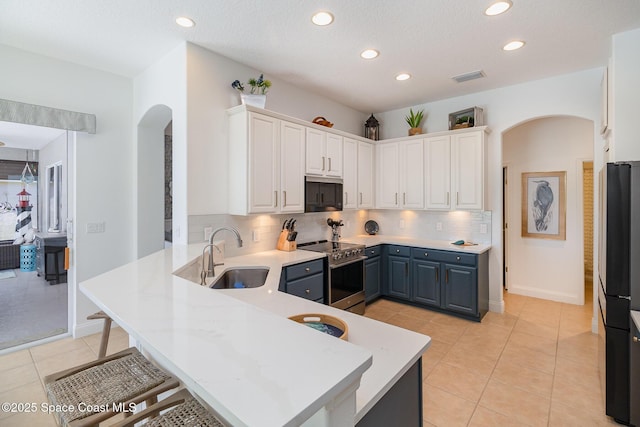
(533, 365)
(21, 373)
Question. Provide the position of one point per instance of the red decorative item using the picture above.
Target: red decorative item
(23, 198)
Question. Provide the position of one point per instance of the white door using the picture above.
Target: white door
(365, 175)
(334, 155)
(315, 152)
(292, 141)
(412, 174)
(437, 161)
(350, 174)
(387, 173)
(467, 152)
(263, 163)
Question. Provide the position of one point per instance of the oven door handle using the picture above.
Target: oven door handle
(362, 258)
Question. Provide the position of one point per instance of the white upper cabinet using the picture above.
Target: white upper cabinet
(292, 137)
(438, 172)
(266, 158)
(400, 172)
(388, 182)
(324, 153)
(350, 174)
(455, 175)
(467, 171)
(412, 174)
(357, 174)
(263, 163)
(365, 175)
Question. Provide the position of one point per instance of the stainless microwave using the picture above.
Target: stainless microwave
(322, 194)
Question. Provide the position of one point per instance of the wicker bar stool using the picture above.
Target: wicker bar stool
(106, 330)
(100, 389)
(185, 412)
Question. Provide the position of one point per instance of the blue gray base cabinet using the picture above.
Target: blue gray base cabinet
(447, 281)
(401, 405)
(305, 280)
(372, 274)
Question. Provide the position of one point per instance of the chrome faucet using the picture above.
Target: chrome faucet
(210, 270)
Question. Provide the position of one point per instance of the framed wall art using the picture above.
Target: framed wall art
(544, 213)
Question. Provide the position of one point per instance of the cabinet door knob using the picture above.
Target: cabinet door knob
(635, 339)
(458, 258)
(307, 269)
(307, 291)
(426, 254)
(373, 252)
(398, 251)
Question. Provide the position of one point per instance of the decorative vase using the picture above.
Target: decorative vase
(254, 100)
(415, 131)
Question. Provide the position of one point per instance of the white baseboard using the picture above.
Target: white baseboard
(496, 306)
(89, 328)
(544, 294)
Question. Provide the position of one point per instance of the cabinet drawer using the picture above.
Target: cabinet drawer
(373, 251)
(305, 269)
(460, 258)
(428, 254)
(307, 287)
(399, 250)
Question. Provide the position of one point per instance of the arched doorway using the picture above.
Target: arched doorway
(538, 267)
(151, 179)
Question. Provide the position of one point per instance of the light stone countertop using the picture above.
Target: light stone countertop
(236, 349)
(382, 239)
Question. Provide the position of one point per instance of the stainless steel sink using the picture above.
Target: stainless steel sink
(241, 278)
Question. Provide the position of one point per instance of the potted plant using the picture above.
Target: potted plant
(414, 120)
(257, 96)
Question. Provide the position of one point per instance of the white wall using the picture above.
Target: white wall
(575, 94)
(550, 269)
(626, 93)
(209, 95)
(52, 153)
(103, 161)
(164, 83)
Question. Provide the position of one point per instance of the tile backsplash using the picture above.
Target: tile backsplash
(265, 229)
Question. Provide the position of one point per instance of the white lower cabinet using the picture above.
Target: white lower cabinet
(455, 175)
(266, 164)
(400, 173)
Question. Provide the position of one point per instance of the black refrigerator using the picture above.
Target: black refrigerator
(619, 273)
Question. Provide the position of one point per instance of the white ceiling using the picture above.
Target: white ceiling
(17, 135)
(431, 39)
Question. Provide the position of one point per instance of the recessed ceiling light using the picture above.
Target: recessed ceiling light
(498, 7)
(185, 22)
(322, 18)
(514, 45)
(403, 76)
(369, 54)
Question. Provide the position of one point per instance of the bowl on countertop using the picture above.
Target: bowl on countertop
(325, 323)
(371, 227)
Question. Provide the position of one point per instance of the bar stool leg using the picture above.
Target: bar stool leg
(106, 330)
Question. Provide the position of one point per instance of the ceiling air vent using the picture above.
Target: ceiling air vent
(469, 76)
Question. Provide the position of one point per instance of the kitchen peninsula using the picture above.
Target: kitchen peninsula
(238, 352)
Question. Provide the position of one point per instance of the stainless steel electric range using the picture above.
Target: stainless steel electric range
(346, 273)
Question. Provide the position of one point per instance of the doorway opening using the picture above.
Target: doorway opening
(155, 171)
(505, 229)
(587, 199)
(35, 299)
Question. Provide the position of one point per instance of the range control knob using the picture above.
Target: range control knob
(347, 253)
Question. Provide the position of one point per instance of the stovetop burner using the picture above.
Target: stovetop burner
(338, 251)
